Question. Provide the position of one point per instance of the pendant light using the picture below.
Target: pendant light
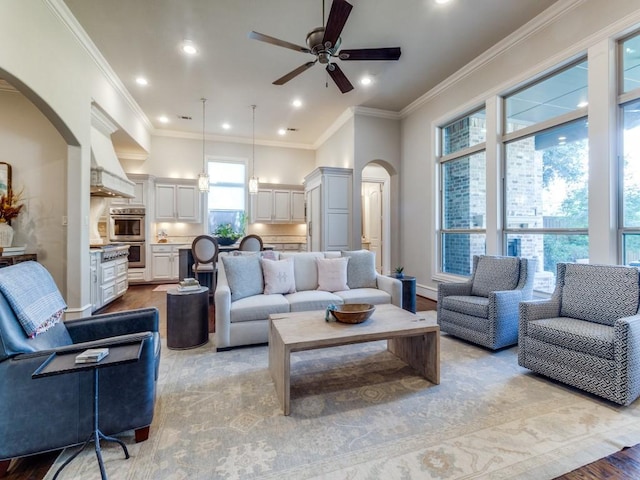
(203, 178)
(253, 181)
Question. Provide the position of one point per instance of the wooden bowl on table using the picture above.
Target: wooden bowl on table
(353, 312)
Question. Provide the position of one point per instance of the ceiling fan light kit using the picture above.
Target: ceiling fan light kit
(324, 43)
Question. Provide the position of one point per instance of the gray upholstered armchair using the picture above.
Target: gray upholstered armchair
(38, 415)
(588, 333)
(484, 309)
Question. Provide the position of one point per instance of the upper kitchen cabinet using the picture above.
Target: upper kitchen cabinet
(140, 192)
(177, 201)
(278, 204)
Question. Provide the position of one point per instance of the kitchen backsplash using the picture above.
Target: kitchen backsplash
(270, 233)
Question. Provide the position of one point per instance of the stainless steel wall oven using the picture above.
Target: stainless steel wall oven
(136, 254)
(127, 224)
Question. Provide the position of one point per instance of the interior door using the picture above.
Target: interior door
(372, 193)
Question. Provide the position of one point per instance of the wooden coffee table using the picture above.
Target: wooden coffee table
(410, 337)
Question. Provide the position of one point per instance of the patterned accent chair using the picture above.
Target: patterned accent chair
(484, 309)
(588, 333)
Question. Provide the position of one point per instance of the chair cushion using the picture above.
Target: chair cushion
(364, 295)
(332, 274)
(573, 334)
(361, 269)
(258, 307)
(278, 276)
(244, 275)
(469, 305)
(312, 300)
(599, 293)
(494, 274)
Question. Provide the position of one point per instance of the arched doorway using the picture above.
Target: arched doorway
(376, 213)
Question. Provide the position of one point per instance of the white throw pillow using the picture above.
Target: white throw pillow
(332, 274)
(278, 276)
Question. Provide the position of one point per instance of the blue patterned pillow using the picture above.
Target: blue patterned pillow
(361, 269)
(494, 274)
(244, 275)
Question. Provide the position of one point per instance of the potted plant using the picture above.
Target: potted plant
(226, 235)
(10, 208)
(399, 272)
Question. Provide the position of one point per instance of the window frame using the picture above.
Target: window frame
(244, 185)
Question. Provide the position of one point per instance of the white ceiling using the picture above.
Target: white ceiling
(142, 37)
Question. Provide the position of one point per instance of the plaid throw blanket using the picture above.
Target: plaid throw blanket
(33, 296)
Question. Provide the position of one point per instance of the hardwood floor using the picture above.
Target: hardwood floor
(620, 466)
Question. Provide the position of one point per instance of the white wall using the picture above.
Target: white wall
(587, 24)
(38, 155)
(338, 149)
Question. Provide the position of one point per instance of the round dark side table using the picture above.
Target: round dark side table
(187, 318)
(408, 293)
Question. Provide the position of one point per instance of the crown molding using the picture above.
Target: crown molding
(60, 9)
(334, 127)
(530, 28)
(228, 139)
(376, 112)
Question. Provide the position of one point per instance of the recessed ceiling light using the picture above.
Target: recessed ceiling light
(163, 119)
(582, 104)
(366, 80)
(282, 131)
(189, 47)
(226, 126)
(441, 2)
(142, 81)
(297, 103)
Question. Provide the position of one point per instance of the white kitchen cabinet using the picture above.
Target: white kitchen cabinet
(297, 207)
(140, 192)
(329, 208)
(165, 261)
(94, 288)
(277, 205)
(177, 202)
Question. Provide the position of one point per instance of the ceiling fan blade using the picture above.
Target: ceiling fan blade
(340, 10)
(276, 41)
(391, 53)
(294, 73)
(339, 77)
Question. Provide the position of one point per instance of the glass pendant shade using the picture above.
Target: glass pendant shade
(203, 182)
(253, 185)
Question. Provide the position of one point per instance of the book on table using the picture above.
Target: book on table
(92, 355)
(188, 284)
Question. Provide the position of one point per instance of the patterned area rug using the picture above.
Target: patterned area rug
(357, 412)
(165, 287)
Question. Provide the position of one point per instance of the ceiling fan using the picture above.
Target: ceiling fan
(324, 42)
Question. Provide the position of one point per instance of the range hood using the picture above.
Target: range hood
(107, 176)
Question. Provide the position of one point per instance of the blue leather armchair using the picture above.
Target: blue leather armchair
(55, 412)
(484, 309)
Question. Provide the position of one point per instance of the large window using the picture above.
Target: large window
(547, 173)
(227, 194)
(629, 216)
(463, 200)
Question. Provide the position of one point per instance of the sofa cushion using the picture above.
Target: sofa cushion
(494, 274)
(332, 274)
(312, 300)
(599, 293)
(305, 269)
(258, 307)
(576, 335)
(364, 295)
(244, 275)
(469, 305)
(361, 269)
(278, 276)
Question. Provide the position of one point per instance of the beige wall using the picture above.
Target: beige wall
(588, 24)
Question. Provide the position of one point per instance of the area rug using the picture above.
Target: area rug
(164, 287)
(357, 412)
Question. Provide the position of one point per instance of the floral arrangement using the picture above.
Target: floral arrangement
(10, 206)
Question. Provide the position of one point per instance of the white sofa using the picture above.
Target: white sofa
(244, 321)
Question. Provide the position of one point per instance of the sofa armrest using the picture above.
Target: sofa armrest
(392, 286)
(457, 288)
(627, 355)
(113, 324)
(222, 300)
